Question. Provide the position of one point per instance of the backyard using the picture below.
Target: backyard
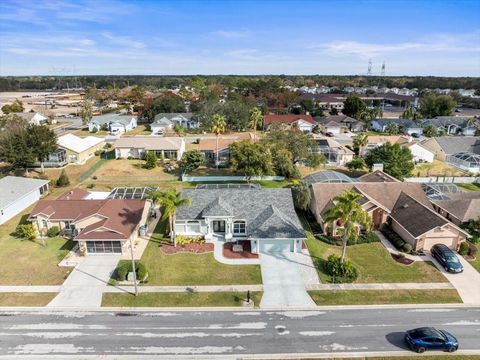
(470, 187)
(436, 168)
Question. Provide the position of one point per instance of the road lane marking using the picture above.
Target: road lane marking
(316, 333)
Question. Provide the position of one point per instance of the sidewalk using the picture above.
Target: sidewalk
(382, 286)
(166, 289)
(30, 288)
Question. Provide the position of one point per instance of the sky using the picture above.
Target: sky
(108, 37)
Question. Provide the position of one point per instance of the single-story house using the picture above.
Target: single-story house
(265, 217)
(335, 153)
(337, 124)
(78, 149)
(166, 121)
(454, 125)
(374, 141)
(302, 122)
(444, 146)
(136, 147)
(459, 207)
(113, 123)
(420, 154)
(405, 126)
(377, 176)
(18, 193)
(34, 118)
(99, 226)
(422, 227)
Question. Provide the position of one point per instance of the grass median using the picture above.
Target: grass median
(26, 299)
(179, 299)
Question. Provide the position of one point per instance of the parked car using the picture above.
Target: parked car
(330, 134)
(447, 258)
(426, 338)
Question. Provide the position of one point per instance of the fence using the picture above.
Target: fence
(229, 178)
(444, 179)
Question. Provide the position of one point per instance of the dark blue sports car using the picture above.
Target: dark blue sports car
(426, 338)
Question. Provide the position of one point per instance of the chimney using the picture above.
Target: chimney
(377, 167)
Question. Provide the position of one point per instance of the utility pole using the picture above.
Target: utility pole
(133, 268)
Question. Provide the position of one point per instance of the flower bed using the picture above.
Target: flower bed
(400, 258)
(196, 248)
(245, 254)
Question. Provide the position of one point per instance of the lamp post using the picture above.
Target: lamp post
(133, 268)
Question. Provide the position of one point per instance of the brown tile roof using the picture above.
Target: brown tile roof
(393, 139)
(287, 119)
(462, 205)
(210, 143)
(415, 217)
(120, 217)
(74, 194)
(377, 176)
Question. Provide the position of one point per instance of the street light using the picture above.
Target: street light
(133, 268)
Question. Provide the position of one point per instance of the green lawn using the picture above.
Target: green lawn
(24, 262)
(374, 264)
(196, 299)
(476, 263)
(367, 297)
(469, 187)
(26, 299)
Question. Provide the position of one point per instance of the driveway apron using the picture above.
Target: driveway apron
(283, 284)
(85, 285)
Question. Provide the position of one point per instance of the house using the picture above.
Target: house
(422, 227)
(445, 146)
(136, 147)
(302, 122)
(336, 154)
(266, 217)
(374, 141)
(34, 118)
(337, 124)
(18, 193)
(459, 207)
(454, 125)
(77, 149)
(99, 226)
(113, 123)
(166, 121)
(405, 126)
(377, 176)
(420, 153)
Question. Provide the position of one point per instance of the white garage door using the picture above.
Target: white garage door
(429, 242)
(276, 245)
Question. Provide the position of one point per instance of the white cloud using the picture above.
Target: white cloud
(123, 40)
(232, 34)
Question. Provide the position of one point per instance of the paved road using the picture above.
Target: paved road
(226, 334)
(70, 126)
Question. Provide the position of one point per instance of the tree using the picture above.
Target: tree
(353, 105)
(397, 160)
(63, 179)
(360, 141)
(430, 131)
(42, 140)
(301, 195)
(432, 105)
(86, 111)
(218, 127)
(179, 130)
(392, 129)
(356, 164)
(15, 107)
(15, 148)
(170, 201)
(167, 103)
(150, 160)
(137, 94)
(410, 113)
(348, 214)
(283, 164)
(192, 160)
(333, 111)
(256, 118)
(473, 228)
(250, 159)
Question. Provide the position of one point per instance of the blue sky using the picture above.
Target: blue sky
(58, 37)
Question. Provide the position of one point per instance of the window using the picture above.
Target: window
(44, 224)
(239, 228)
(171, 155)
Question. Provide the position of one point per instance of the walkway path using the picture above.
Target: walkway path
(218, 254)
(85, 285)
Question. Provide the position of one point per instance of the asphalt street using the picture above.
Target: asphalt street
(225, 334)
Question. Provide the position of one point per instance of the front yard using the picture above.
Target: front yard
(374, 264)
(26, 299)
(476, 263)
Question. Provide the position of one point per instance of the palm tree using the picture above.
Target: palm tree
(360, 141)
(255, 117)
(218, 127)
(170, 200)
(349, 214)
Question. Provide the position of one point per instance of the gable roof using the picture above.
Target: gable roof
(377, 176)
(287, 119)
(13, 188)
(150, 142)
(339, 119)
(269, 213)
(113, 118)
(74, 194)
(78, 144)
(455, 144)
(28, 116)
(392, 139)
(170, 116)
(462, 205)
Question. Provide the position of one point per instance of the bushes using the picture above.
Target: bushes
(151, 160)
(54, 231)
(472, 251)
(183, 240)
(125, 267)
(341, 272)
(63, 179)
(407, 248)
(26, 231)
(393, 237)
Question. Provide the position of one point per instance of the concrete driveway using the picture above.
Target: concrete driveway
(467, 283)
(85, 285)
(283, 284)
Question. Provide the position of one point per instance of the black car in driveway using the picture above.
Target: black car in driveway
(446, 258)
(426, 338)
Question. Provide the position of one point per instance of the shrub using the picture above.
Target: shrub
(464, 248)
(407, 248)
(142, 272)
(53, 231)
(90, 186)
(368, 237)
(94, 130)
(63, 179)
(341, 272)
(26, 231)
(151, 160)
(125, 268)
(122, 271)
(183, 240)
(472, 251)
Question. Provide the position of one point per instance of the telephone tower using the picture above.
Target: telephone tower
(369, 72)
(382, 74)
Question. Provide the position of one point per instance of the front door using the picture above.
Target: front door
(219, 226)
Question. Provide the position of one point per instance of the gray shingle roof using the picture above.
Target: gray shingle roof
(170, 116)
(13, 188)
(269, 213)
(113, 117)
(454, 144)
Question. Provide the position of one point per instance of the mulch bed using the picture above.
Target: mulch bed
(194, 248)
(245, 254)
(401, 259)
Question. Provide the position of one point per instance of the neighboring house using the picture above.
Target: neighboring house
(171, 148)
(77, 149)
(266, 217)
(405, 126)
(99, 226)
(19, 193)
(336, 154)
(113, 123)
(374, 141)
(337, 124)
(302, 122)
(166, 121)
(445, 146)
(377, 176)
(34, 118)
(459, 207)
(420, 154)
(454, 125)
